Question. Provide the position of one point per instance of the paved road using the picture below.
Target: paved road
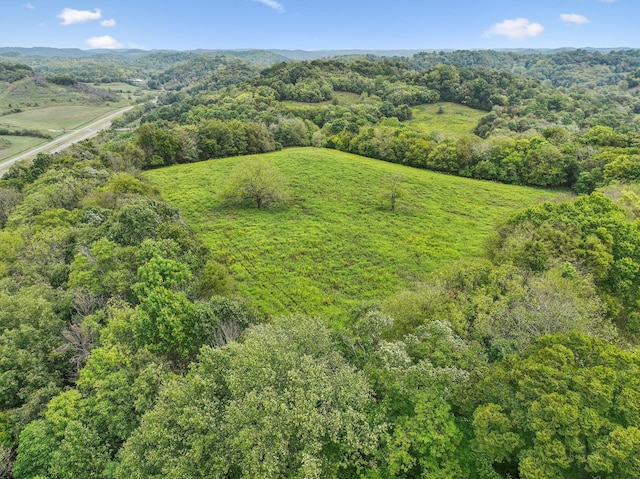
(67, 140)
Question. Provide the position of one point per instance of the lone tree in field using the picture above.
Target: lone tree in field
(393, 189)
(258, 182)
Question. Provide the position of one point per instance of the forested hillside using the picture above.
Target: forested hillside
(135, 338)
(530, 133)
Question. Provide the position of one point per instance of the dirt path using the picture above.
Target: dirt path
(67, 140)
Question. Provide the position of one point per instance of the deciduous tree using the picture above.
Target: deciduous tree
(256, 181)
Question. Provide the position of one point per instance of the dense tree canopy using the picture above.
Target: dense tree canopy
(566, 408)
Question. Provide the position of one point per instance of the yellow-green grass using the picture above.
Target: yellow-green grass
(454, 120)
(19, 144)
(336, 242)
(54, 118)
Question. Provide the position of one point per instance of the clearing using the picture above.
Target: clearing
(337, 242)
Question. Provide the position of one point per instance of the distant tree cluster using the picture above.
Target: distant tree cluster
(571, 68)
(12, 72)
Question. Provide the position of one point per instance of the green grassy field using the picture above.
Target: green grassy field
(55, 121)
(337, 242)
(455, 119)
(48, 108)
(18, 145)
(55, 117)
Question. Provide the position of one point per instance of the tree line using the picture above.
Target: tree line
(533, 135)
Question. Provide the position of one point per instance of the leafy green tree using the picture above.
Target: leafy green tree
(565, 408)
(214, 280)
(604, 136)
(421, 437)
(282, 403)
(81, 453)
(37, 445)
(393, 189)
(592, 233)
(9, 199)
(118, 189)
(624, 169)
(103, 269)
(160, 145)
(256, 181)
(31, 370)
(544, 164)
(140, 219)
(501, 306)
(164, 323)
(83, 428)
(413, 379)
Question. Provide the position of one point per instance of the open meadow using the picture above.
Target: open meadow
(444, 117)
(56, 118)
(19, 144)
(337, 242)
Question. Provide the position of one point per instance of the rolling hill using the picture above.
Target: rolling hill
(337, 242)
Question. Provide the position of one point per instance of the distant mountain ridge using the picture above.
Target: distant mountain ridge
(271, 55)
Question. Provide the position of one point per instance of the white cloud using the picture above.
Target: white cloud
(69, 16)
(272, 3)
(574, 18)
(103, 42)
(29, 6)
(516, 28)
(108, 23)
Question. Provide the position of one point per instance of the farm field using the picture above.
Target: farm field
(337, 242)
(448, 118)
(54, 118)
(18, 145)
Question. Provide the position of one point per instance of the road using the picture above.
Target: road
(65, 141)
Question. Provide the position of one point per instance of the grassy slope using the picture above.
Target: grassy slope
(455, 119)
(337, 242)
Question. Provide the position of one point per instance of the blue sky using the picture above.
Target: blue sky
(320, 25)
